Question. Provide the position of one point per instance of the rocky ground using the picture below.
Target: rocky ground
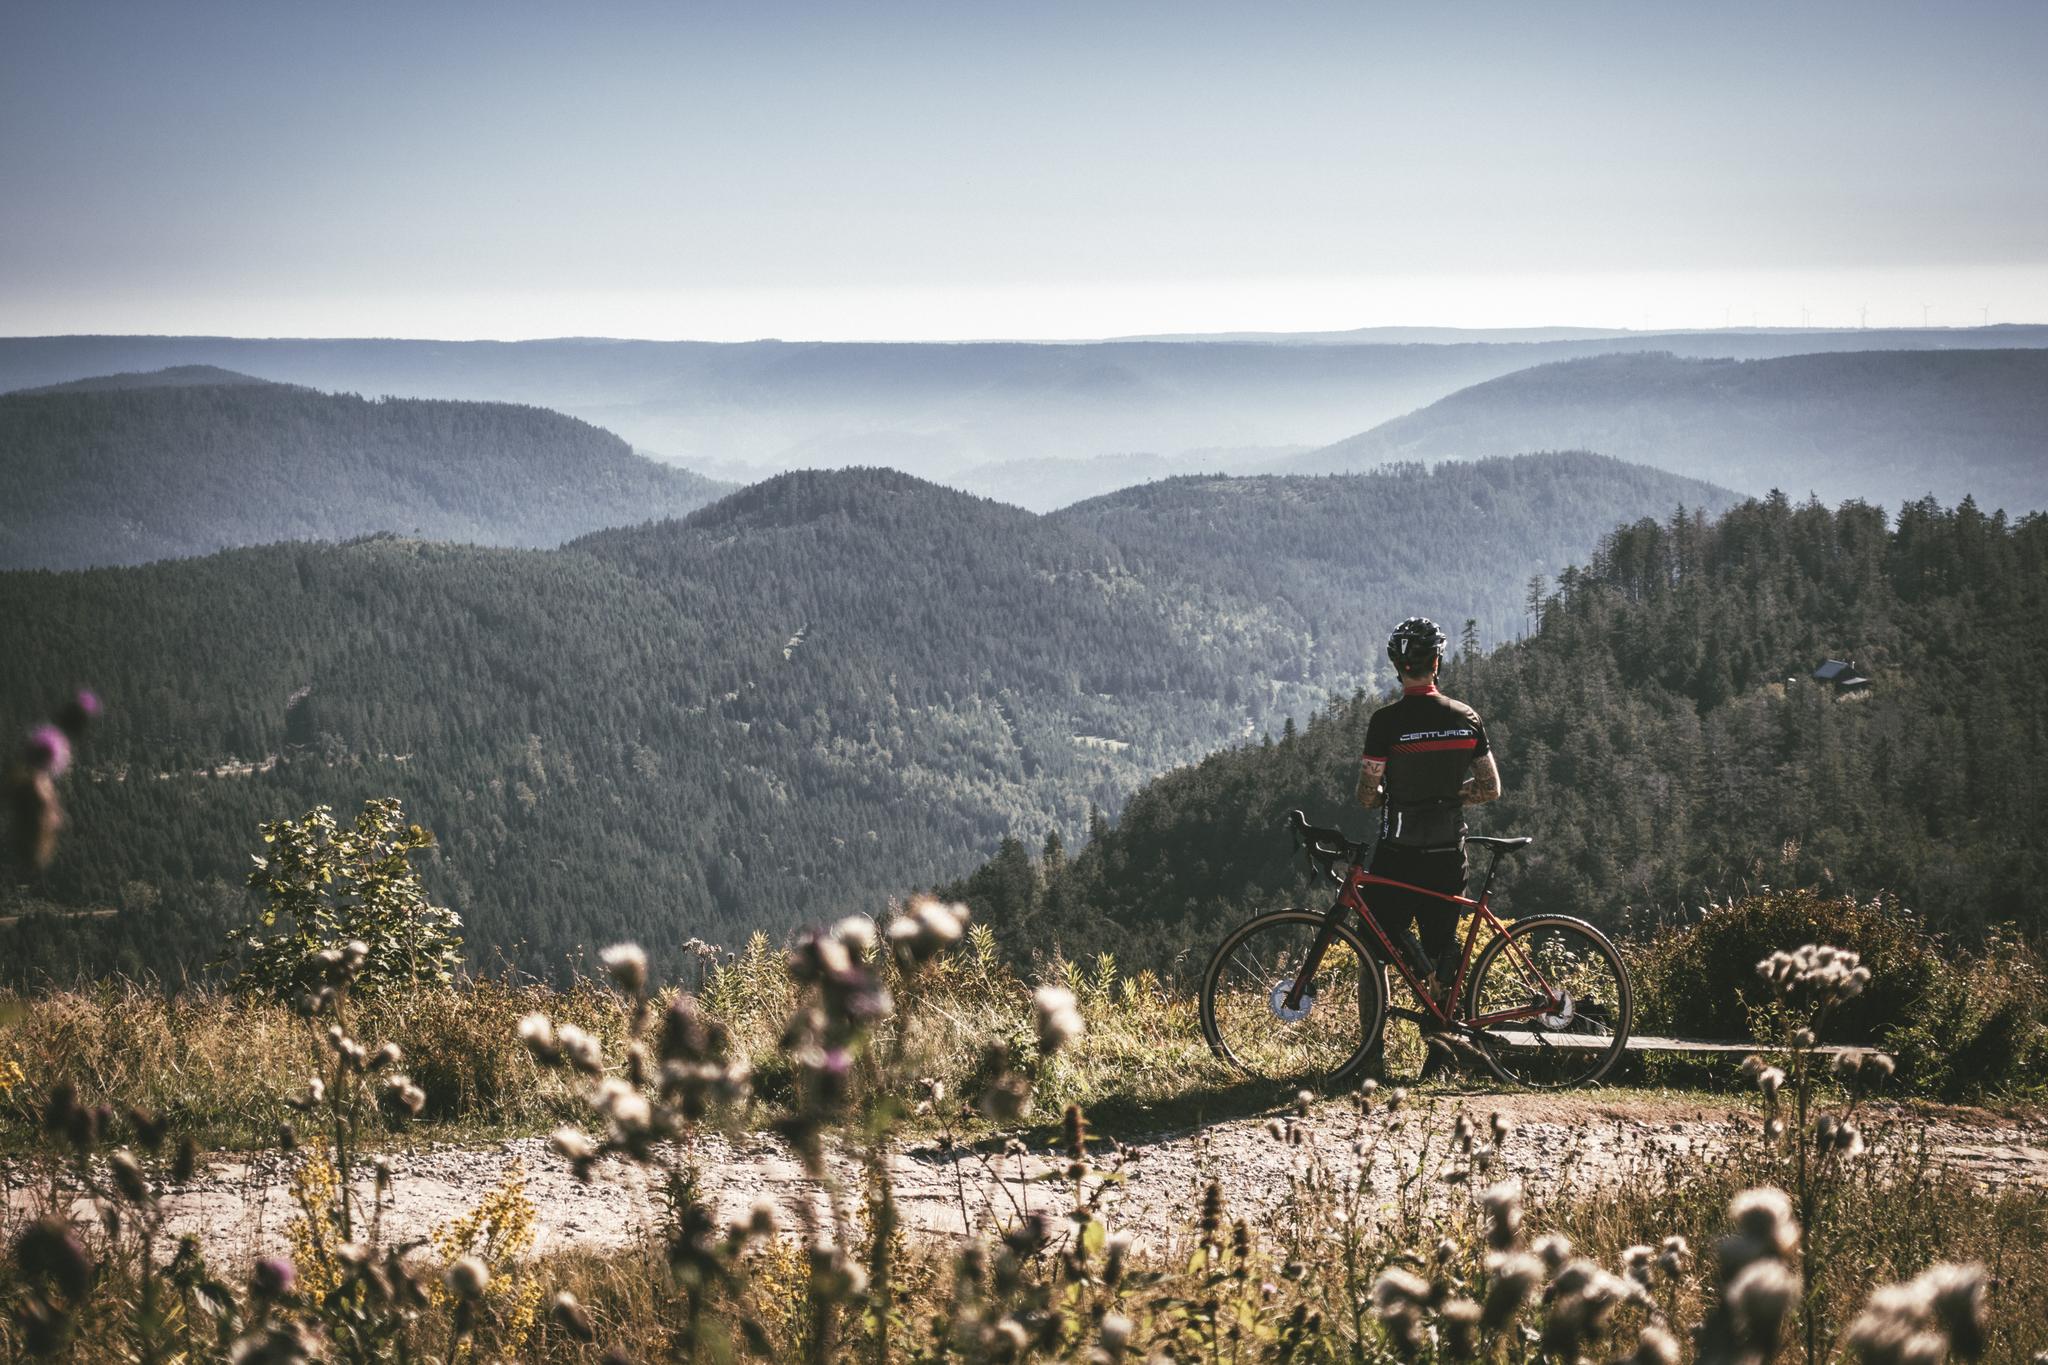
(240, 1205)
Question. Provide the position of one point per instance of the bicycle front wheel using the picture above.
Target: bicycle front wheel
(1551, 1002)
(1245, 1015)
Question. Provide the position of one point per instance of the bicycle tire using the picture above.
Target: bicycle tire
(1241, 1019)
(1522, 1053)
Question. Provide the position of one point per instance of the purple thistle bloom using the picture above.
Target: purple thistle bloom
(49, 750)
(272, 1277)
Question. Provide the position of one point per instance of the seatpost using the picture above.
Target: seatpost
(1487, 885)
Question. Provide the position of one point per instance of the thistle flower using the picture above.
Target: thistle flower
(1553, 1249)
(580, 1050)
(272, 1277)
(1827, 975)
(926, 929)
(573, 1144)
(128, 1177)
(48, 750)
(406, 1097)
(1502, 1205)
(467, 1278)
(1115, 1334)
(1764, 1217)
(1514, 1279)
(1056, 1017)
(1654, 1346)
(387, 1056)
(1922, 1321)
(1770, 1080)
(1758, 1299)
(1397, 1288)
(856, 933)
(626, 964)
(1502, 1126)
(1636, 1263)
(761, 1220)
(1673, 1256)
(571, 1317)
(49, 1252)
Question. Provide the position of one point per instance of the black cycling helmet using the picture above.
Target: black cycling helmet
(1415, 644)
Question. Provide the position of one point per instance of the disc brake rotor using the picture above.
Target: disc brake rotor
(1277, 1001)
(1566, 1011)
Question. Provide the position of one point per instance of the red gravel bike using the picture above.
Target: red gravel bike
(1302, 995)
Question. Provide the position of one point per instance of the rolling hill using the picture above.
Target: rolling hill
(938, 410)
(137, 467)
(791, 704)
(1885, 426)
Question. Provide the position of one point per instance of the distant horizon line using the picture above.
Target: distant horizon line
(1240, 335)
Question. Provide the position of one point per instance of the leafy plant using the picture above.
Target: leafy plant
(331, 886)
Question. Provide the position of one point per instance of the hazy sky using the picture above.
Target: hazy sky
(965, 169)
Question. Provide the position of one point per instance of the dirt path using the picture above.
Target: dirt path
(239, 1207)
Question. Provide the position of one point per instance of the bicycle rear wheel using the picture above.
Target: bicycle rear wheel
(1570, 997)
(1244, 1009)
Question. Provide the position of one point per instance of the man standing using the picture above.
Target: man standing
(1426, 758)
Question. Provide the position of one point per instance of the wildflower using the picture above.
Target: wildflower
(467, 1278)
(1212, 1211)
(405, 1096)
(581, 1050)
(1581, 1298)
(1636, 1262)
(1502, 1205)
(571, 1317)
(1116, 1251)
(1764, 1217)
(1957, 1295)
(1115, 1333)
(626, 963)
(48, 750)
(1396, 1288)
(1461, 1133)
(537, 1032)
(128, 1177)
(1056, 1017)
(385, 1170)
(1654, 1346)
(1673, 1256)
(387, 1056)
(272, 1277)
(1459, 1320)
(1502, 1126)
(1514, 1279)
(856, 933)
(49, 1252)
(1758, 1299)
(1553, 1249)
(1770, 1080)
(928, 928)
(761, 1219)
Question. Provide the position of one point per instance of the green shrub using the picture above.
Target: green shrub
(1960, 1025)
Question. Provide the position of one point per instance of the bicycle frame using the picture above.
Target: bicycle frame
(1351, 897)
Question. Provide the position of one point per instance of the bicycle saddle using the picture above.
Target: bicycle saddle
(1500, 845)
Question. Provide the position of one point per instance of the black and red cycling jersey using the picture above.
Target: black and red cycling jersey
(1428, 743)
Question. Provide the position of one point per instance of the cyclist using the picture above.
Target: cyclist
(1426, 758)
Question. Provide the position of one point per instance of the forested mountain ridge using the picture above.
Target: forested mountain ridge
(795, 702)
(124, 471)
(1661, 738)
(938, 409)
(1887, 426)
(1432, 538)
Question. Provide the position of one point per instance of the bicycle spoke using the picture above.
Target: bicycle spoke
(1561, 994)
(1245, 1001)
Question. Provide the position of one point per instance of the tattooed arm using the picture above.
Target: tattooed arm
(1484, 783)
(1369, 774)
